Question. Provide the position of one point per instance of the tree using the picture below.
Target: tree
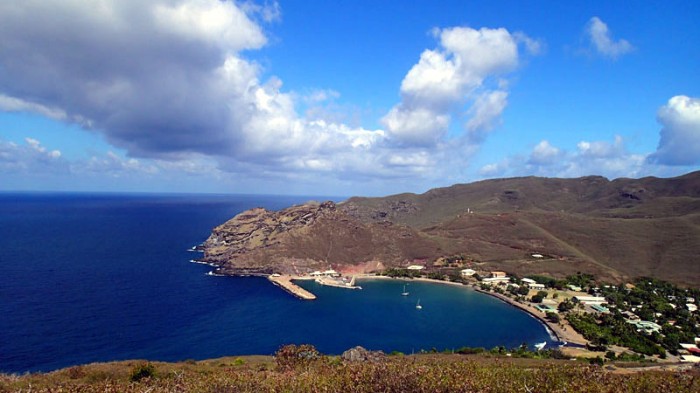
(565, 306)
(553, 317)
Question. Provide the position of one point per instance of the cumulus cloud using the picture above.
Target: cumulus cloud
(151, 75)
(605, 158)
(167, 80)
(601, 39)
(446, 78)
(679, 142)
(29, 158)
(544, 154)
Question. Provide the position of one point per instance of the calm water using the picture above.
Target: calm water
(90, 278)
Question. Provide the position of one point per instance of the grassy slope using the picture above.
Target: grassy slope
(421, 373)
(614, 229)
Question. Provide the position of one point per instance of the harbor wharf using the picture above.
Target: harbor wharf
(285, 282)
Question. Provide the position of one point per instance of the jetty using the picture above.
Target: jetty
(285, 282)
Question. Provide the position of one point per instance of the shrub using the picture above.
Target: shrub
(238, 362)
(76, 372)
(292, 356)
(553, 317)
(141, 371)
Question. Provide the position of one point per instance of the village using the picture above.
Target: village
(653, 319)
(645, 319)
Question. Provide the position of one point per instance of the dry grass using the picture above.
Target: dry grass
(434, 373)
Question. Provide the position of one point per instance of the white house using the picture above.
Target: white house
(528, 281)
(590, 299)
(535, 286)
(468, 272)
(331, 273)
(416, 267)
(495, 280)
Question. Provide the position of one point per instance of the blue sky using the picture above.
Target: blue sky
(342, 97)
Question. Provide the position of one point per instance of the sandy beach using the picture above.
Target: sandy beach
(562, 330)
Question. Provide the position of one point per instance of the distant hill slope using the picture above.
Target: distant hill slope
(615, 229)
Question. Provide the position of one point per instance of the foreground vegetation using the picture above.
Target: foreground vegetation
(303, 369)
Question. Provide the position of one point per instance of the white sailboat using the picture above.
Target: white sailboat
(404, 293)
(418, 306)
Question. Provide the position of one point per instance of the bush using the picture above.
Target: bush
(537, 299)
(566, 305)
(470, 350)
(141, 371)
(291, 356)
(76, 372)
(238, 362)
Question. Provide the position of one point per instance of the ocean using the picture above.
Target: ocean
(100, 277)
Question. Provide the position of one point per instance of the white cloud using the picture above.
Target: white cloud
(604, 44)
(12, 104)
(416, 127)
(601, 149)
(598, 157)
(544, 154)
(166, 81)
(679, 142)
(30, 158)
(535, 47)
(447, 78)
(113, 165)
(485, 113)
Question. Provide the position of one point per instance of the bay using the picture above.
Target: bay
(101, 277)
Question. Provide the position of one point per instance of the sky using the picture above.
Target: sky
(312, 97)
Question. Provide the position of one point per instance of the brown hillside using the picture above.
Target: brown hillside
(615, 229)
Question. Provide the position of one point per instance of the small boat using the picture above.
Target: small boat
(418, 306)
(540, 346)
(404, 293)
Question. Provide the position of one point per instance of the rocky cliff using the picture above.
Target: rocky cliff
(313, 236)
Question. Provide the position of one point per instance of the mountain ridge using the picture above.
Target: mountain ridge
(617, 229)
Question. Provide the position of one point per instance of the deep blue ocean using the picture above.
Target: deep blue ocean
(99, 277)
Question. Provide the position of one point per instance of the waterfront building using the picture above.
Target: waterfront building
(468, 272)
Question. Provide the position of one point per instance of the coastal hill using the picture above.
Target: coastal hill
(613, 229)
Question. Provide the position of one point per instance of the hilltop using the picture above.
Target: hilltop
(614, 229)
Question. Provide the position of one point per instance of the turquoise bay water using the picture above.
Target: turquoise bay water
(89, 278)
